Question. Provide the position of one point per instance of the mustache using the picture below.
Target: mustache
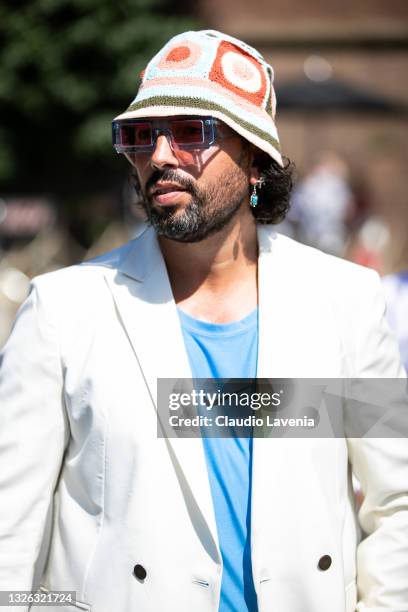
(171, 176)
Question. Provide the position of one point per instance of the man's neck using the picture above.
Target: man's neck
(216, 279)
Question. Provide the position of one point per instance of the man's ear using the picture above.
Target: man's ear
(254, 173)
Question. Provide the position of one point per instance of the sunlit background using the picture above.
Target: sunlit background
(68, 67)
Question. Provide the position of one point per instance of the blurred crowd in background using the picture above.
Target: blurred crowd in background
(68, 67)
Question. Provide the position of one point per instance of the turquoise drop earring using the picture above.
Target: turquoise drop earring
(254, 197)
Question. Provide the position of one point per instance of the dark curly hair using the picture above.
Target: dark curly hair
(275, 190)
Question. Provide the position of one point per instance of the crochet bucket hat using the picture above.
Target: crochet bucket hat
(209, 73)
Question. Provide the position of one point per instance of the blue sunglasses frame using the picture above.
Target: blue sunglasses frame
(163, 126)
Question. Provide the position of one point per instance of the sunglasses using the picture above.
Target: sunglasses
(140, 135)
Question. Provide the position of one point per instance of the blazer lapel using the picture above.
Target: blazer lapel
(144, 300)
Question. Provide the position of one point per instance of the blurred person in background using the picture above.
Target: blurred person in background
(323, 204)
(207, 290)
(32, 241)
(367, 245)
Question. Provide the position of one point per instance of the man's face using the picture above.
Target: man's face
(189, 195)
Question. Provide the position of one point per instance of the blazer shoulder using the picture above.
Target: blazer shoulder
(79, 287)
(84, 271)
(334, 273)
(132, 255)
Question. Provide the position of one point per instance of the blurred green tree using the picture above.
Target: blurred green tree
(67, 67)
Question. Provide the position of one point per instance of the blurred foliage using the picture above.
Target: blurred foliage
(67, 67)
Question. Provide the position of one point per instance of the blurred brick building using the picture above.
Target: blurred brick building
(362, 43)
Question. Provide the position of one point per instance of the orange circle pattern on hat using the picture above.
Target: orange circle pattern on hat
(239, 72)
(178, 54)
(181, 56)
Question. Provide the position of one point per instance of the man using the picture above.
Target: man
(154, 523)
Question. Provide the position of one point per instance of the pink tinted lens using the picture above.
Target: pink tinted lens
(187, 132)
(136, 134)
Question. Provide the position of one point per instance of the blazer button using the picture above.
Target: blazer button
(140, 572)
(324, 562)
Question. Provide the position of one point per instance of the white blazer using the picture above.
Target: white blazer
(78, 420)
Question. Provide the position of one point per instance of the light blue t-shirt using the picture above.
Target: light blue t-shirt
(228, 351)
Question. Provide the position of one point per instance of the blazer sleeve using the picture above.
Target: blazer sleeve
(33, 433)
(381, 465)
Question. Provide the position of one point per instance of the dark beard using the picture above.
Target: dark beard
(209, 210)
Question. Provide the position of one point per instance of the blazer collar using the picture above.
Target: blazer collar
(142, 255)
